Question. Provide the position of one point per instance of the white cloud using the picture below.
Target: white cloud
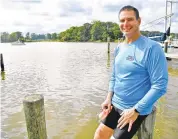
(42, 16)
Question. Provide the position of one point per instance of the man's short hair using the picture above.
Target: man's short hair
(130, 8)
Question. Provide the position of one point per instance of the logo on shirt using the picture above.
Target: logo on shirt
(130, 58)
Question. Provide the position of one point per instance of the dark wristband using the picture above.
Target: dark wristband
(136, 110)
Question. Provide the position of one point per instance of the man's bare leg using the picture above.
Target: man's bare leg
(103, 132)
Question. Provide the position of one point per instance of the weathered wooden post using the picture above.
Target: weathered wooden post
(147, 127)
(2, 63)
(165, 46)
(108, 40)
(35, 116)
(108, 60)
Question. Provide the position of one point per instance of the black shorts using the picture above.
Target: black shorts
(112, 120)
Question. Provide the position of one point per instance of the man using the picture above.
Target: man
(139, 78)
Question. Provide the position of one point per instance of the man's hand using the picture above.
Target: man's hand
(128, 117)
(106, 106)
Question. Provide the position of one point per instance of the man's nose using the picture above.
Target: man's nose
(126, 22)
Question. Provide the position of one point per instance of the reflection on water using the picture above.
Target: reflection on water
(3, 75)
(167, 112)
(73, 77)
(87, 131)
(108, 60)
(14, 125)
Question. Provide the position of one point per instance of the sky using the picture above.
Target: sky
(49, 16)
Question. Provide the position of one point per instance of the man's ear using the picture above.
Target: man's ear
(139, 20)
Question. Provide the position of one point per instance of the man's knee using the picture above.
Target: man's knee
(99, 134)
(103, 132)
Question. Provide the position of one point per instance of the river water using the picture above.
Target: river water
(73, 78)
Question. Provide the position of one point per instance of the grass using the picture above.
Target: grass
(173, 72)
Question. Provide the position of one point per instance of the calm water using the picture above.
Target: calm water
(73, 77)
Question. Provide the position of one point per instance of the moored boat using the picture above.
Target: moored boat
(18, 43)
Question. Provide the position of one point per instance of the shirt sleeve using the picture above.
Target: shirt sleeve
(156, 66)
(112, 78)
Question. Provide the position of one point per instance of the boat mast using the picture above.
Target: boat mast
(166, 18)
(168, 1)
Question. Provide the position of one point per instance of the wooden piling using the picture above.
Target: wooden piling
(2, 63)
(35, 116)
(165, 46)
(108, 41)
(147, 127)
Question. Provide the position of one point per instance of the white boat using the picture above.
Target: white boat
(18, 43)
(175, 43)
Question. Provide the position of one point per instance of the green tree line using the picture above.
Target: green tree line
(96, 31)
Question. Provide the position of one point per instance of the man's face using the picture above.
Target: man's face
(128, 23)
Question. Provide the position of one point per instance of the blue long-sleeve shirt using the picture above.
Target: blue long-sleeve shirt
(139, 76)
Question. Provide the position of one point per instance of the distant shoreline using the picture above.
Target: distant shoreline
(116, 41)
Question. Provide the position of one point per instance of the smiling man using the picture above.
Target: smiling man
(139, 78)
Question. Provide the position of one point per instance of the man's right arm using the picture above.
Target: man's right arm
(112, 79)
(109, 96)
(107, 102)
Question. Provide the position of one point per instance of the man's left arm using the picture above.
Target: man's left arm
(158, 72)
